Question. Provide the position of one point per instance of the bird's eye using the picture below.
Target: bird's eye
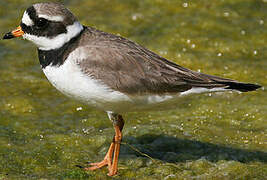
(41, 22)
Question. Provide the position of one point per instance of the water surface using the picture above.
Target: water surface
(43, 134)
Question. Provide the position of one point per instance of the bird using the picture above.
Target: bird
(109, 72)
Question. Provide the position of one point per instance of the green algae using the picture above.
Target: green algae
(44, 135)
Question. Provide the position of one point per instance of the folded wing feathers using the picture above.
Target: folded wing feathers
(133, 69)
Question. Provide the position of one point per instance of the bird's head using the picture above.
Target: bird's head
(48, 25)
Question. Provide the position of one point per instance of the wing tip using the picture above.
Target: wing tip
(243, 87)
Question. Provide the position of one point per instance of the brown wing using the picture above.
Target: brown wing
(130, 68)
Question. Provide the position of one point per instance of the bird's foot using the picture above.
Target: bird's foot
(107, 161)
(114, 149)
(111, 170)
(98, 165)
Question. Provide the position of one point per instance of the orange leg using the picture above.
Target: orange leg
(106, 161)
(118, 137)
(114, 148)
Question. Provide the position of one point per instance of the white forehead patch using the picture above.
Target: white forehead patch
(26, 19)
(52, 18)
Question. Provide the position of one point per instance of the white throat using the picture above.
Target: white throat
(45, 43)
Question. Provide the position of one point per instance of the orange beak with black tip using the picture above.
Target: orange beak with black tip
(15, 33)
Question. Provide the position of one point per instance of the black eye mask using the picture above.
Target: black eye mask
(42, 27)
(41, 23)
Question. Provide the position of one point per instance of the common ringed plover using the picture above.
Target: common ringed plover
(109, 72)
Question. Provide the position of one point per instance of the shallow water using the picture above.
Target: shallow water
(43, 134)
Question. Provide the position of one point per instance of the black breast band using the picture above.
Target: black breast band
(56, 57)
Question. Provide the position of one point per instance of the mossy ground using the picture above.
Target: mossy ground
(213, 136)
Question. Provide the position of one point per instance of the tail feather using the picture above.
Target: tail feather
(201, 82)
(243, 87)
(210, 82)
